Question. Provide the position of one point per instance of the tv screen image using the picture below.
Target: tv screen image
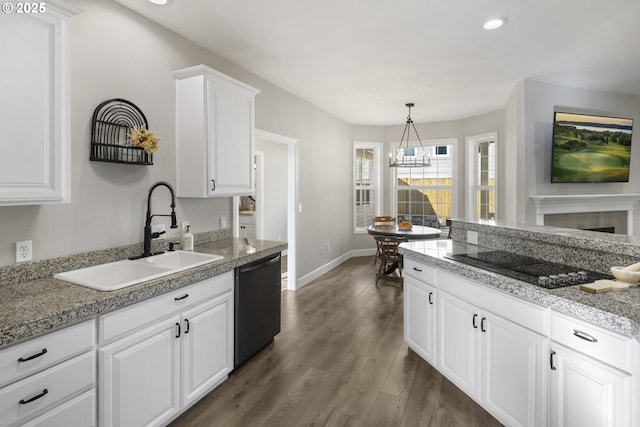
(589, 148)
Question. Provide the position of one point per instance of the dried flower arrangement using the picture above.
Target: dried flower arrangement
(145, 139)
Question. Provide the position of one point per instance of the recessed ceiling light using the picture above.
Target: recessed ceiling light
(160, 2)
(492, 24)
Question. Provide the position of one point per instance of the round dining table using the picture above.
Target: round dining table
(417, 232)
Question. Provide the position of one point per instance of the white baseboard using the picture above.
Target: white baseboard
(308, 278)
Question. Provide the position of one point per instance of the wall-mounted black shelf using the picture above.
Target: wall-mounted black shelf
(113, 120)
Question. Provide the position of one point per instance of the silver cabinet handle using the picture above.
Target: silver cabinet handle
(584, 336)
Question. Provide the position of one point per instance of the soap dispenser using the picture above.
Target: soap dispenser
(187, 240)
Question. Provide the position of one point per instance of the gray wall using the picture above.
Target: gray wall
(274, 187)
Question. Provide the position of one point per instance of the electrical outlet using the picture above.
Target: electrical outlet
(184, 225)
(159, 228)
(24, 251)
(321, 250)
(472, 237)
(223, 222)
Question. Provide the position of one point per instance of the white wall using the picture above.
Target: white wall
(116, 53)
(274, 189)
(540, 102)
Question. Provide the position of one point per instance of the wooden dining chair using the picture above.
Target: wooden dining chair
(388, 257)
(383, 220)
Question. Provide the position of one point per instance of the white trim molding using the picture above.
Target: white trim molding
(578, 203)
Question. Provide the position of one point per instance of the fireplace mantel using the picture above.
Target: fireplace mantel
(578, 203)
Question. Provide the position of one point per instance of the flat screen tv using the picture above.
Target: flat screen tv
(590, 148)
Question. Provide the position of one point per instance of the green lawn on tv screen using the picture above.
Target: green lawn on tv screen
(590, 162)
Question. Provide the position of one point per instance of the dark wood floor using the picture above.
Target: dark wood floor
(340, 360)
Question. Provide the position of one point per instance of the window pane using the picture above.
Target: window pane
(366, 172)
(424, 195)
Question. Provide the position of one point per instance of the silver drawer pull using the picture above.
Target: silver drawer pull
(585, 336)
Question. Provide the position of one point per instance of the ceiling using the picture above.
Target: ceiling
(362, 60)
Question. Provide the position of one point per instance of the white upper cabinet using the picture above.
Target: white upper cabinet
(34, 106)
(214, 134)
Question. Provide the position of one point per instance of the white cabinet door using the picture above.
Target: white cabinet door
(514, 372)
(140, 376)
(34, 107)
(207, 342)
(214, 134)
(420, 318)
(231, 148)
(587, 393)
(458, 345)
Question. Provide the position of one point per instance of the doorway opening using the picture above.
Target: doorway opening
(265, 227)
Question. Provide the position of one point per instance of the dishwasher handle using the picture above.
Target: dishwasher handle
(260, 263)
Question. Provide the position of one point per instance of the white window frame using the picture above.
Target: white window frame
(376, 188)
(472, 173)
(393, 181)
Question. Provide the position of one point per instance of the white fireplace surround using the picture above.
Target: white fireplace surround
(579, 203)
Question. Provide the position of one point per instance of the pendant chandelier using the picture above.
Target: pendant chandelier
(406, 156)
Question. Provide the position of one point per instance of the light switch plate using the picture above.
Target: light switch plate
(472, 237)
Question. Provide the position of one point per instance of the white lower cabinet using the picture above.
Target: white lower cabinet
(420, 318)
(207, 348)
(513, 372)
(587, 393)
(590, 375)
(140, 377)
(495, 361)
(50, 380)
(150, 376)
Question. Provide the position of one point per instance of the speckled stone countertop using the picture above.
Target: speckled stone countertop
(616, 311)
(33, 307)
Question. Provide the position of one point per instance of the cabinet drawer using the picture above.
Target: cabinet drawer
(527, 314)
(77, 412)
(46, 389)
(41, 352)
(418, 270)
(137, 316)
(607, 346)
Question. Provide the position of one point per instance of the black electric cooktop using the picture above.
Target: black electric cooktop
(549, 275)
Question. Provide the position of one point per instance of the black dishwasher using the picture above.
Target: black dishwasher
(257, 306)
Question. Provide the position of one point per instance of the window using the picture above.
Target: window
(366, 184)
(482, 161)
(441, 150)
(424, 196)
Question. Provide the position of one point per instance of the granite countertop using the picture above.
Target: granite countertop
(616, 311)
(34, 307)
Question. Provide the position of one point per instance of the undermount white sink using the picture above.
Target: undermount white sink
(120, 274)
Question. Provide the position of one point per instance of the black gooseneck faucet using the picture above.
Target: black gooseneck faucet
(148, 235)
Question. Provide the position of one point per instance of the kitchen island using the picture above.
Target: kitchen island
(530, 356)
